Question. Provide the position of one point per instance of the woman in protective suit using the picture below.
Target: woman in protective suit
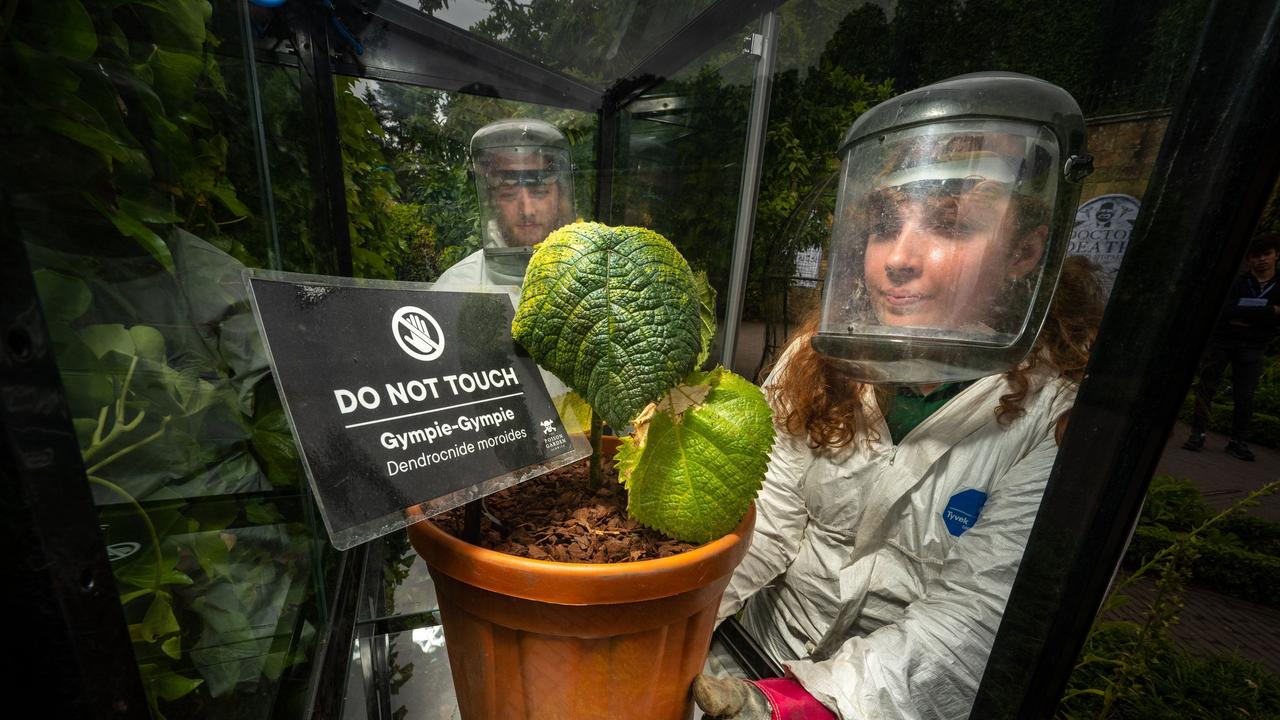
(919, 416)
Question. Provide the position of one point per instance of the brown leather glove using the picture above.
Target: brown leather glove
(729, 698)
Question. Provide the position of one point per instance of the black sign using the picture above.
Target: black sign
(400, 397)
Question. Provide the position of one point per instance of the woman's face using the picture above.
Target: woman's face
(941, 261)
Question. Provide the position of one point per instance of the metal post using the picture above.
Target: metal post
(274, 258)
(312, 41)
(1218, 163)
(765, 44)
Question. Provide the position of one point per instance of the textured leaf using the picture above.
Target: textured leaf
(694, 466)
(613, 312)
(707, 305)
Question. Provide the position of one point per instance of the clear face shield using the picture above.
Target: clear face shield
(525, 192)
(940, 251)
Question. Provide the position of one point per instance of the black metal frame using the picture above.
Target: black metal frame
(1217, 165)
(309, 25)
(69, 643)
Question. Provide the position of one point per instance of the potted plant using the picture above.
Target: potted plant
(617, 314)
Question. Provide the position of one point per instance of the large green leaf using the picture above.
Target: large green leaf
(613, 312)
(65, 28)
(698, 456)
(707, 314)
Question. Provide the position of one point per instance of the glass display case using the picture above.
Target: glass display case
(156, 150)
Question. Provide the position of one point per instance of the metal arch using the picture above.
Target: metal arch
(711, 27)
(401, 44)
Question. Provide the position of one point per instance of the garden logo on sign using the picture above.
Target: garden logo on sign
(385, 438)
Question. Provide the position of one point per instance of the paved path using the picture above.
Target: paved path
(1223, 479)
(1214, 624)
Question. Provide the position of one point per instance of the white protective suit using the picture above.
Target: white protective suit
(857, 543)
(475, 271)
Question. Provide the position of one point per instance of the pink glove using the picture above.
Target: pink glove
(730, 698)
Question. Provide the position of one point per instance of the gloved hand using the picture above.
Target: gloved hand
(729, 698)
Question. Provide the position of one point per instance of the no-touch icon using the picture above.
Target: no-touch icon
(417, 333)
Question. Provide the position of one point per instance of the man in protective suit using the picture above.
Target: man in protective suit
(919, 416)
(524, 183)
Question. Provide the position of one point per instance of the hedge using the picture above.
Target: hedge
(1240, 555)
(1221, 566)
(1263, 430)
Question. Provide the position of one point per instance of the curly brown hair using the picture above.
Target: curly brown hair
(813, 396)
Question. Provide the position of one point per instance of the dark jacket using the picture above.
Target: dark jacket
(1249, 324)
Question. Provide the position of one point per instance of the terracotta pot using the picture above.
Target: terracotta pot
(561, 641)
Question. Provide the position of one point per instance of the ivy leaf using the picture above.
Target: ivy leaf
(173, 648)
(698, 456)
(65, 28)
(707, 314)
(131, 226)
(172, 686)
(64, 298)
(159, 620)
(148, 341)
(176, 76)
(103, 339)
(612, 312)
(227, 196)
(95, 138)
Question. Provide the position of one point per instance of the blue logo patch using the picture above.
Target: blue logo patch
(962, 510)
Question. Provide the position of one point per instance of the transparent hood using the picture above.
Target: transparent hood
(525, 192)
(940, 249)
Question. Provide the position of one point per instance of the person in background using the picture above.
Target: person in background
(524, 183)
(1250, 319)
(919, 416)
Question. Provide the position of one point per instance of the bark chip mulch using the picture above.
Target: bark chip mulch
(560, 516)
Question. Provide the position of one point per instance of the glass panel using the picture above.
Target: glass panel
(679, 161)
(410, 196)
(140, 199)
(594, 41)
(836, 60)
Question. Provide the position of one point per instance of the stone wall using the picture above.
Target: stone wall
(1124, 149)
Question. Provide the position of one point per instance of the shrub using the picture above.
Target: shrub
(1239, 556)
(1264, 429)
(1177, 685)
(1222, 565)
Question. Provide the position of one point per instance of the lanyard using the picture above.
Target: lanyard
(1260, 290)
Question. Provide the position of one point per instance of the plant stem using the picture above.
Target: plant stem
(128, 449)
(596, 472)
(151, 528)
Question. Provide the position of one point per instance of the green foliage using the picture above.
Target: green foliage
(613, 312)
(132, 142)
(1222, 564)
(1131, 669)
(1238, 555)
(1264, 429)
(698, 456)
(1178, 685)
